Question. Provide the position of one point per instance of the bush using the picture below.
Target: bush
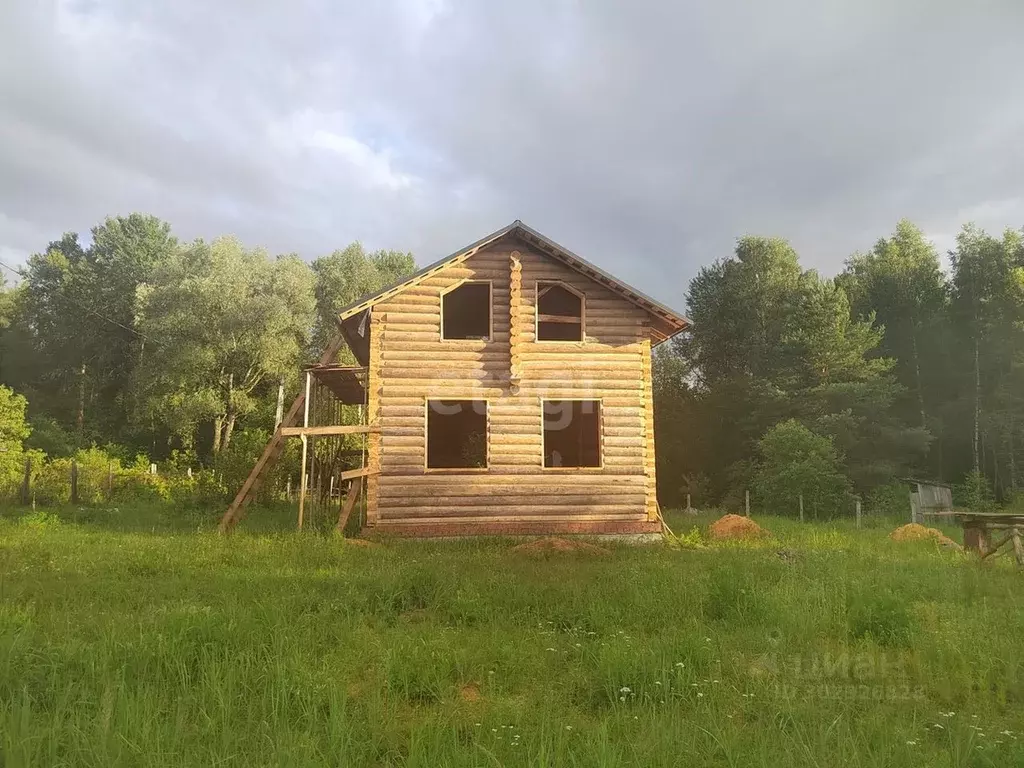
(50, 437)
(793, 461)
(13, 432)
(974, 493)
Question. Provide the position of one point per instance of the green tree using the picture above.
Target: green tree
(771, 342)
(222, 321)
(841, 388)
(988, 310)
(347, 275)
(13, 432)
(793, 461)
(900, 283)
(76, 324)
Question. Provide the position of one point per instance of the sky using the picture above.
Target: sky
(645, 136)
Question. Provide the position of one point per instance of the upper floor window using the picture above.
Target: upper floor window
(466, 311)
(559, 313)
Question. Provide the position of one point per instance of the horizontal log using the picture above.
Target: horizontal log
(502, 441)
(387, 412)
(575, 499)
(408, 388)
(443, 368)
(558, 319)
(423, 335)
(339, 429)
(391, 441)
(503, 431)
(394, 459)
(583, 366)
(532, 470)
(591, 387)
(350, 474)
(620, 441)
(388, 429)
(508, 510)
(449, 356)
(579, 355)
(503, 459)
(518, 527)
(458, 486)
(538, 479)
(618, 433)
(415, 316)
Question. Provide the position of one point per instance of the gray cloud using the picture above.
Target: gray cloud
(646, 136)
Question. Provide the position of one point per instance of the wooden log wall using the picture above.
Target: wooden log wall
(409, 363)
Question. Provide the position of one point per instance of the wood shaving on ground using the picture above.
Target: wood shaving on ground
(736, 527)
(918, 532)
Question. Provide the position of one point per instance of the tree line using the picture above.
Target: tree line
(156, 346)
(788, 381)
(894, 368)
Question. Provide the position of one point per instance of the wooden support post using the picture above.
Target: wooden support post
(976, 538)
(110, 480)
(746, 502)
(689, 509)
(302, 479)
(801, 507)
(74, 481)
(355, 489)
(858, 511)
(1018, 548)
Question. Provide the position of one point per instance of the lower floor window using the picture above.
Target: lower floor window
(456, 434)
(572, 433)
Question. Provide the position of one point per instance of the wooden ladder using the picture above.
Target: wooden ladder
(272, 451)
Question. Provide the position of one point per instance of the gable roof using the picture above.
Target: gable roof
(667, 322)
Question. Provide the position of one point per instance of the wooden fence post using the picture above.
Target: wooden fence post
(26, 483)
(74, 481)
(801, 507)
(858, 511)
(746, 502)
(688, 507)
(110, 481)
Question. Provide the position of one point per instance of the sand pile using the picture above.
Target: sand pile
(556, 544)
(736, 527)
(917, 532)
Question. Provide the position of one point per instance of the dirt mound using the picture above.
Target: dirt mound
(470, 692)
(917, 532)
(736, 527)
(556, 544)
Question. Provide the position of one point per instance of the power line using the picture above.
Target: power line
(84, 308)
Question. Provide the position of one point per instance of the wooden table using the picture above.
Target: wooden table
(979, 528)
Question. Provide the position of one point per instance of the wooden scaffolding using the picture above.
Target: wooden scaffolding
(329, 417)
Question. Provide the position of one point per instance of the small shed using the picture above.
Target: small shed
(928, 498)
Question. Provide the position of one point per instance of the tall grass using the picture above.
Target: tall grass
(822, 646)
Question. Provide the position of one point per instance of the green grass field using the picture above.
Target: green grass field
(824, 647)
